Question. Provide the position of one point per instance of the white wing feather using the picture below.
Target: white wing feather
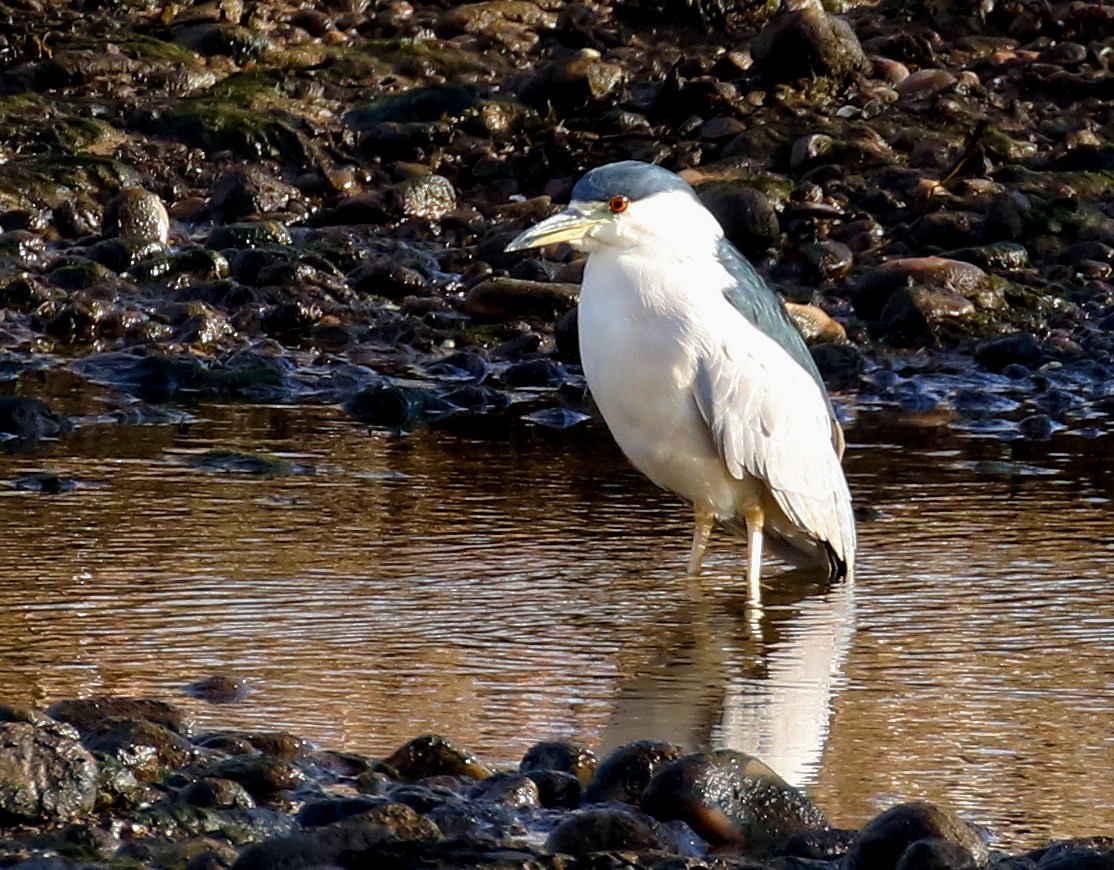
(769, 419)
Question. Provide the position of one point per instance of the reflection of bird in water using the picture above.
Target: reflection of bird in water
(717, 685)
(699, 371)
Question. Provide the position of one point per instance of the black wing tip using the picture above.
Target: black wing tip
(837, 566)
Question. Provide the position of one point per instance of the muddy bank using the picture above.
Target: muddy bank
(119, 782)
(309, 204)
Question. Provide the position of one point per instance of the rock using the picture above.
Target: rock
(925, 83)
(828, 260)
(911, 313)
(840, 364)
(532, 373)
(249, 235)
(934, 854)
(44, 777)
(433, 755)
(325, 846)
(748, 217)
(395, 407)
(609, 830)
(815, 323)
(249, 191)
(626, 772)
(805, 43)
(871, 293)
(483, 16)
(730, 797)
(1017, 348)
(562, 755)
(215, 793)
(141, 746)
(571, 83)
(219, 689)
(263, 777)
(30, 419)
(84, 713)
(387, 278)
(515, 790)
(139, 214)
(881, 844)
(512, 298)
(556, 789)
(428, 196)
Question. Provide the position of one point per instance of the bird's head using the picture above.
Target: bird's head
(625, 204)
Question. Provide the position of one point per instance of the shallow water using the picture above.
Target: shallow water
(509, 591)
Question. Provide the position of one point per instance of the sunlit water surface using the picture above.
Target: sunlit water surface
(505, 592)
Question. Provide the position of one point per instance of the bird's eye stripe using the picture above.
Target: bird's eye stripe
(618, 204)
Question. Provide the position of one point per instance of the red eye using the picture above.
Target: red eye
(618, 204)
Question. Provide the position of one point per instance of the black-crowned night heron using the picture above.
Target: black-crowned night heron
(700, 372)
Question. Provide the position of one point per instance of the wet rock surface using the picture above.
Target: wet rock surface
(310, 203)
(270, 800)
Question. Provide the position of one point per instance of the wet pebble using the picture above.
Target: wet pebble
(433, 755)
(137, 214)
(882, 843)
(807, 42)
(730, 797)
(512, 298)
(45, 483)
(609, 830)
(624, 773)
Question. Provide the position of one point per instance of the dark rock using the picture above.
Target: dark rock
(318, 813)
(566, 337)
(563, 755)
(84, 713)
(263, 777)
(125, 253)
(433, 755)
(414, 105)
(805, 43)
(556, 789)
(573, 82)
(511, 298)
(533, 373)
(386, 278)
(30, 419)
(219, 689)
(911, 313)
(507, 789)
(871, 293)
(748, 217)
(626, 772)
(828, 260)
(840, 364)
(934, 854)
(609, 829)
(1017, 348)
(881, 844)
(825, 844)
(141, 746)
(138, 214)
(249, 235)
(44, 777)
(214, 793)
(727, 797)
(248, 191)
(395, 407)
(47, 484)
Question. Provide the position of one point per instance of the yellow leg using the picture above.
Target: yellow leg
(755, 519)
(700, 536)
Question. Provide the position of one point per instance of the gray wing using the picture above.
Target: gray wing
(752, 297)
(770, 420)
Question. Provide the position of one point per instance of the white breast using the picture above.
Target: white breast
(640, 337)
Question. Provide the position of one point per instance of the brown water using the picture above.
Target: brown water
(501, 593)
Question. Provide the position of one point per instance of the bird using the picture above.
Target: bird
(700, 373)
